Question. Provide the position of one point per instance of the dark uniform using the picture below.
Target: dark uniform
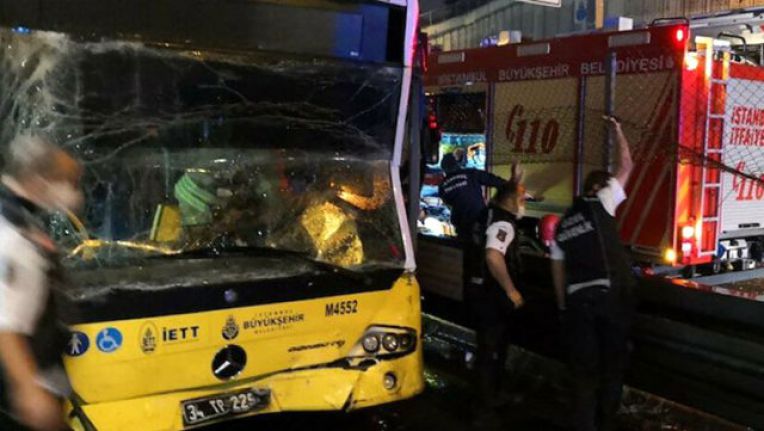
(490, 306)
(599, 304)
(31, 289)
(462, 190)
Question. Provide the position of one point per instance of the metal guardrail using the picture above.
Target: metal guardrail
(730, 277)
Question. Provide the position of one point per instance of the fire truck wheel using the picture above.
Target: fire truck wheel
(690, 271)
(757, 251)
(712, 268)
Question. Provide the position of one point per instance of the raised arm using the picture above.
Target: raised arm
(488, 179)
(625, 164)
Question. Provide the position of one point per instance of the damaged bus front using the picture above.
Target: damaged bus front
(244, 247)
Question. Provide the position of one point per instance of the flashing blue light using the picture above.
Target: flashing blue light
(490, 41)
(21, 29)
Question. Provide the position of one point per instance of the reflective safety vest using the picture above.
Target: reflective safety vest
(195, 201)
(594, 254)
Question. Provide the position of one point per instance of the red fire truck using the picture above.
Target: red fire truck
(693, 114)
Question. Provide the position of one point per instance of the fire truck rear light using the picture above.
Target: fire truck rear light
(670, 255)
(688, 232)
(680, 35)
(691, 61)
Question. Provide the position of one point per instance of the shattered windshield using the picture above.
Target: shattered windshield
(188, 151)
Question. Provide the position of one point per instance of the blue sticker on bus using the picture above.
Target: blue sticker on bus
(78, 344)
(109, 340)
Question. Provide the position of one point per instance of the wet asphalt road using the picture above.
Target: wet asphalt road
(444, 406)
(540, 403)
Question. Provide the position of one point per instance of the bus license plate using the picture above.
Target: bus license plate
(215, 407)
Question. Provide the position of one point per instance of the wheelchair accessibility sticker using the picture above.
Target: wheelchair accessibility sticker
(109, 340)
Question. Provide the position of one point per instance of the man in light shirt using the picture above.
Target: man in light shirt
(593, 281)
(39, 178)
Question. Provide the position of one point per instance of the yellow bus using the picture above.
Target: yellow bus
(244, 248)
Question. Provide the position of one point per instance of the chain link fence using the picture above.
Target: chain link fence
(695, 126)
(693, 114)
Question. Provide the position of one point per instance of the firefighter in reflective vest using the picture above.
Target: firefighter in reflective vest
(496, 296)
(593, 281)
(39, 178)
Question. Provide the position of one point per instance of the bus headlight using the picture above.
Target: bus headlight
(406, 341)
(390, 342)
(370, 343)
(390, 381)
(382, 342)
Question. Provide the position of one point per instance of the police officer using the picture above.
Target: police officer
(593, 283)
(39, 178)
(496, 296)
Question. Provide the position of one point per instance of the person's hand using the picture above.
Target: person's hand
(613, 120)
(516, 298)
(37, 409)
(518, 173)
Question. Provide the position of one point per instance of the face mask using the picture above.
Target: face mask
(62, 196)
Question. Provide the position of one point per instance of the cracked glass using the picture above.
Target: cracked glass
(202, 151)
